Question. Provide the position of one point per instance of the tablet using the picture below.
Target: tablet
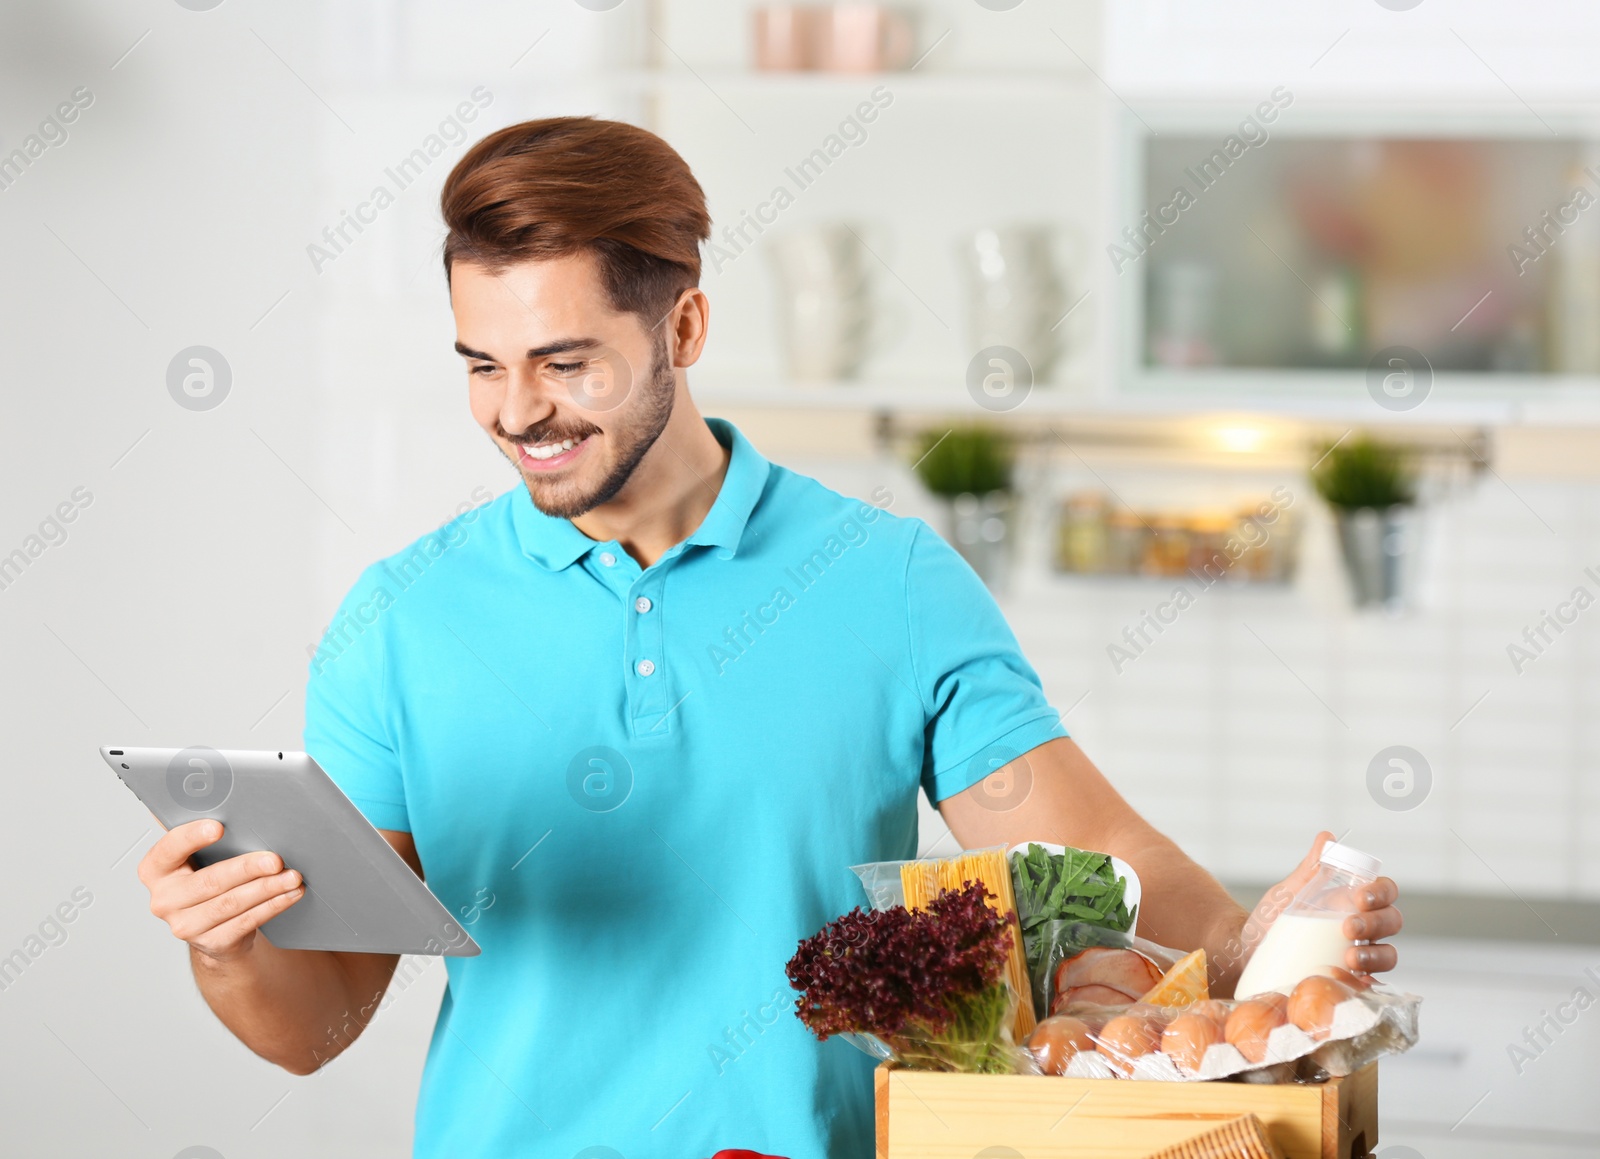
(360, 894)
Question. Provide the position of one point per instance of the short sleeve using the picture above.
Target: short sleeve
(346, 730)
(984, 702)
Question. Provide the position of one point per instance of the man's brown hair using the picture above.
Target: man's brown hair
(563, 185)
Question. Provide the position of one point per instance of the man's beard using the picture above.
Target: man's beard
(632, 442)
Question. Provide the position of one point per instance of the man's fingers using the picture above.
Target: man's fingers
(1307, 868)
(1371, 959)
(203, 921)
(217, 908)
(215, 880)
(231, 932)
(171, 853)
(1315, 855)
(1379, 895)
(1373, 925)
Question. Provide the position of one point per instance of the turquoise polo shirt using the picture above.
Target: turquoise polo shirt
(640, 788)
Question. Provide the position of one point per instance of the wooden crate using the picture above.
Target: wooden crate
(927, 1115)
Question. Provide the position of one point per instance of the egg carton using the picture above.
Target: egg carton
(1372, 1024)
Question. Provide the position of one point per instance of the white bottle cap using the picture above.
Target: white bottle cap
(1351, 860)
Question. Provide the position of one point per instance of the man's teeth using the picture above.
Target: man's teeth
(548, 450)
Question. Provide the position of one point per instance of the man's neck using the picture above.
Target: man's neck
(669, 493)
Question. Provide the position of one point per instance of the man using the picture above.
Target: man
(635, 719)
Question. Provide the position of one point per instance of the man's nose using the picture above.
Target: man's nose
(527, 400)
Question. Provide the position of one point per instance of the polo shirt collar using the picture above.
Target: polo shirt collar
(557, 543)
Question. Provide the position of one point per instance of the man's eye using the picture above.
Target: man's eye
(567, 367)
(484, 368)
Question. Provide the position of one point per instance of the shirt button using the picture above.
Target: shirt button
(608, 559)
(642, 605)
(644, 667)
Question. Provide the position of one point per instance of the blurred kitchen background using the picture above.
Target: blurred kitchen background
(1092, 287)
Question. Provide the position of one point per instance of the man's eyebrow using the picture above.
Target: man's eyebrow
(468, 352)
(561, 347)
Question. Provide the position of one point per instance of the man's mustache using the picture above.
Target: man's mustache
(548, 432)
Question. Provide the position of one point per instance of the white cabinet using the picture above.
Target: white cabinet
(1459, 1094)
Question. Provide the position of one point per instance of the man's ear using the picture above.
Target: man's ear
(686, 326)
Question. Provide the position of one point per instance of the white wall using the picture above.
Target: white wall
(1533, 51)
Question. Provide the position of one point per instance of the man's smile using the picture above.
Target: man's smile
(551, 455)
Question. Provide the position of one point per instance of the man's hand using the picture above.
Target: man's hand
(1377, 917)
(218, 909)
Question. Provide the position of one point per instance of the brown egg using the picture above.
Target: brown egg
(1188, 1037)
(1055, 1040)
(1279, 1002)
(1251, 1022)
(1126, 1038)
(1212, 1008)
(1311, 1005)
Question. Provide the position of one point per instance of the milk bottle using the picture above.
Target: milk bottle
(1308, 936)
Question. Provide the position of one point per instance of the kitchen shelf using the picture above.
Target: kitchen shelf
(1242, 434)
(1458, 401)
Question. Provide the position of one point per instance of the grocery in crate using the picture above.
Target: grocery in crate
(1029, 963)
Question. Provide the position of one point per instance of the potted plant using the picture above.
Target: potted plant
(1372, 490)
(970, 468)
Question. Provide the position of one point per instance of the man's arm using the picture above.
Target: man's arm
(296, 1008)
(1054, 793)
